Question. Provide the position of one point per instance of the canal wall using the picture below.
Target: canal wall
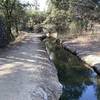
(87, 48)
(26, 72)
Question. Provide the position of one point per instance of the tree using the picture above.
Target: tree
(57, 15)
(36, 5)
(7, 9)
(18, 15)
(79, 13)
(11, 10)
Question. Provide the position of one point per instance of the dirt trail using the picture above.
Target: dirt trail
(26, 72)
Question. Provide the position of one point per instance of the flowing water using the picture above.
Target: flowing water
(79, 82)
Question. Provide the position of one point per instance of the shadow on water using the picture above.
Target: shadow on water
(79, 82)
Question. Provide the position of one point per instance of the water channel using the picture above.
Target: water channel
(79, 82)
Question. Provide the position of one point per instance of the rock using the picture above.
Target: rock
(54, 35)
(96, 68)
(43, 37)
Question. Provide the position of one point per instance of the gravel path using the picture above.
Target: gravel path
(26, 72)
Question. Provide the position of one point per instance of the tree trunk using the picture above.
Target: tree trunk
(16, 26)
(10, 36)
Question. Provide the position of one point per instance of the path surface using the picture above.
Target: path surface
(26, 72)
(87, 47)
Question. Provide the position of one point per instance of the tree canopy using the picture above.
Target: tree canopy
(70, 12)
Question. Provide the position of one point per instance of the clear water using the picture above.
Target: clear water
(79, 82)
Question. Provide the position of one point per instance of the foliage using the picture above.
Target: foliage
(18, 15)
(58, 18)
(12, 10)
(73, 15)
(35, 19)
(38, 17)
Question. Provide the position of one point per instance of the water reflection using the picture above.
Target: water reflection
(79, 83)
